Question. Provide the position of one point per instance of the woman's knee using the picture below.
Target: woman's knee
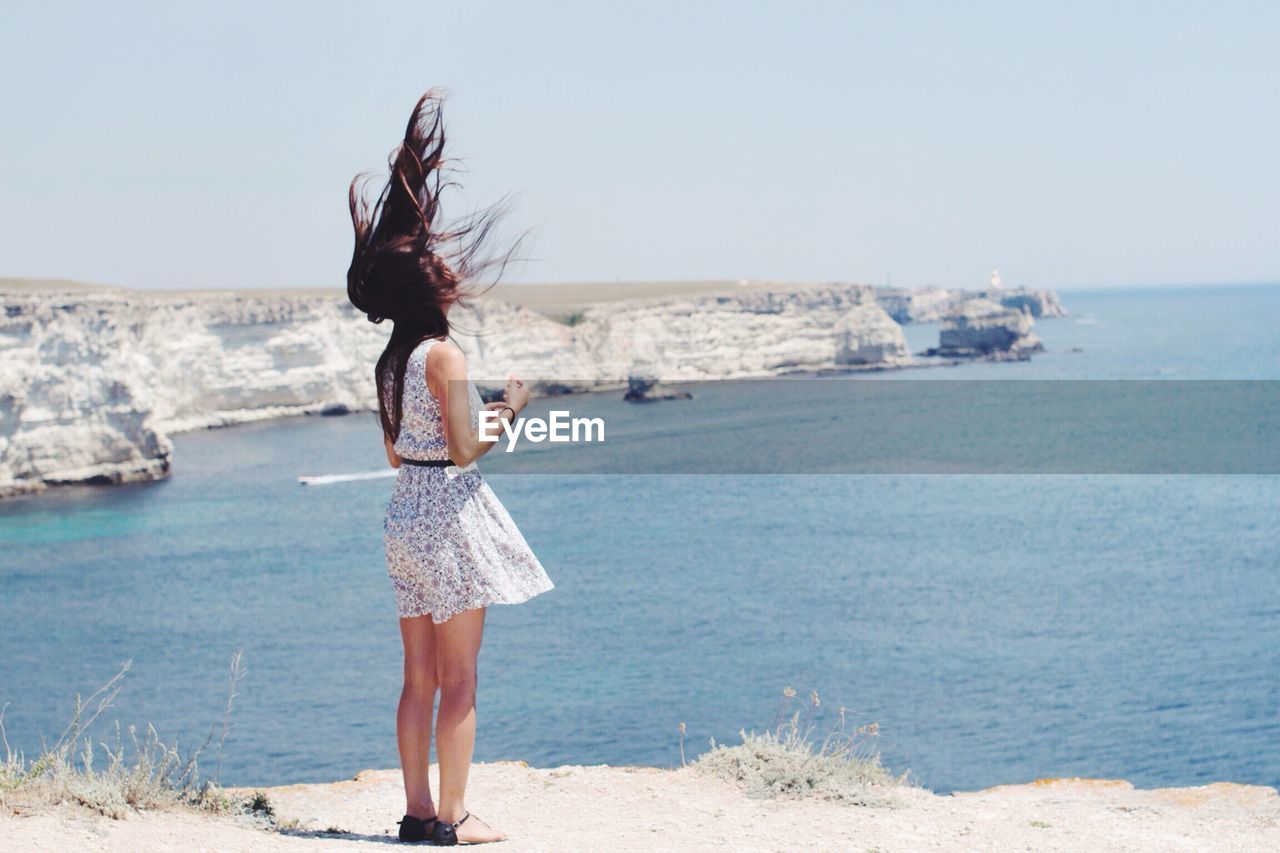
(420, 680)
(456, 679)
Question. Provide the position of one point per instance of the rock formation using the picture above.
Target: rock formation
(933, 304)
(867, 335)
(94, 379)
(646, 389)
(986, 329)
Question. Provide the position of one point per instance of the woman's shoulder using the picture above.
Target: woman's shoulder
(443, 352)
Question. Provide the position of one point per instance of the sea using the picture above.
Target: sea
(995, 628)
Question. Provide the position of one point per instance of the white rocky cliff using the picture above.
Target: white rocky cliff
(983, 328)
(94, 380)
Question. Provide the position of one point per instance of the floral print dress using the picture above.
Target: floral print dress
(449, 542)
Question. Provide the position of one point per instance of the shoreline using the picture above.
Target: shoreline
(96, 378)
(644, 808)
(109, 476)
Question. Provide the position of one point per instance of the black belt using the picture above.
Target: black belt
(427, 463)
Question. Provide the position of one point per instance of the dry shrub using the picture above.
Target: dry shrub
(787, 760)
(141, 770)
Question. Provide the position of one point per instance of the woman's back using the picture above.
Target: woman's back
(421, 422)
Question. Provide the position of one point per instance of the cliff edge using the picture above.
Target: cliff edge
(645, 809)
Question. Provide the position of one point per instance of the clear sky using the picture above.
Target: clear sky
(210, 145)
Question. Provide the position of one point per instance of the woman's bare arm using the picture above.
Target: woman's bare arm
(391, 453)
(447, 381)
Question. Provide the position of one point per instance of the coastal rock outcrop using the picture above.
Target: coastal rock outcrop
(987, 329)
(934, 304)
(646, 389)
(749, 334)
(94, 379)
(1038, 303)
(54, 358)
(867, 335)
(926, 305)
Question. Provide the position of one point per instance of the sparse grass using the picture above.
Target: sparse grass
(258, 804)
(141, 770)
(788, 760)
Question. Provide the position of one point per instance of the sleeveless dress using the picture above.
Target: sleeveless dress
(450, 544)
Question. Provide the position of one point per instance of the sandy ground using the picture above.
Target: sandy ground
(551, 299)
(559, 300)
(636, 808)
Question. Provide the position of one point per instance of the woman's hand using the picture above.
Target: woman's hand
(500, 406)
(516, 395)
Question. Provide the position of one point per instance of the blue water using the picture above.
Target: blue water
(999, 629)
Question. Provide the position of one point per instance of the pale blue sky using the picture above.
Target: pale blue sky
(175, 145)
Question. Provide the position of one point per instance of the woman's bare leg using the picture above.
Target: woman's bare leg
(458, 645)
(413, 718)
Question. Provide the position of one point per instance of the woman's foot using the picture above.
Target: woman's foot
(416, 829)
(468, 829)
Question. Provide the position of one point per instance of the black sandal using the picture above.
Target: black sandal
(415, 828)
(446, 834)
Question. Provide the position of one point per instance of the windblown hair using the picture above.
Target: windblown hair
(406, 266)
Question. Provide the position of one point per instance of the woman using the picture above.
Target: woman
(451, 548)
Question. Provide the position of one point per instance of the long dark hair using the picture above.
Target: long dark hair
(406, 267)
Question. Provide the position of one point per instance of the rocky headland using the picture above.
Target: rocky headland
(94, 380)
(984, 328)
